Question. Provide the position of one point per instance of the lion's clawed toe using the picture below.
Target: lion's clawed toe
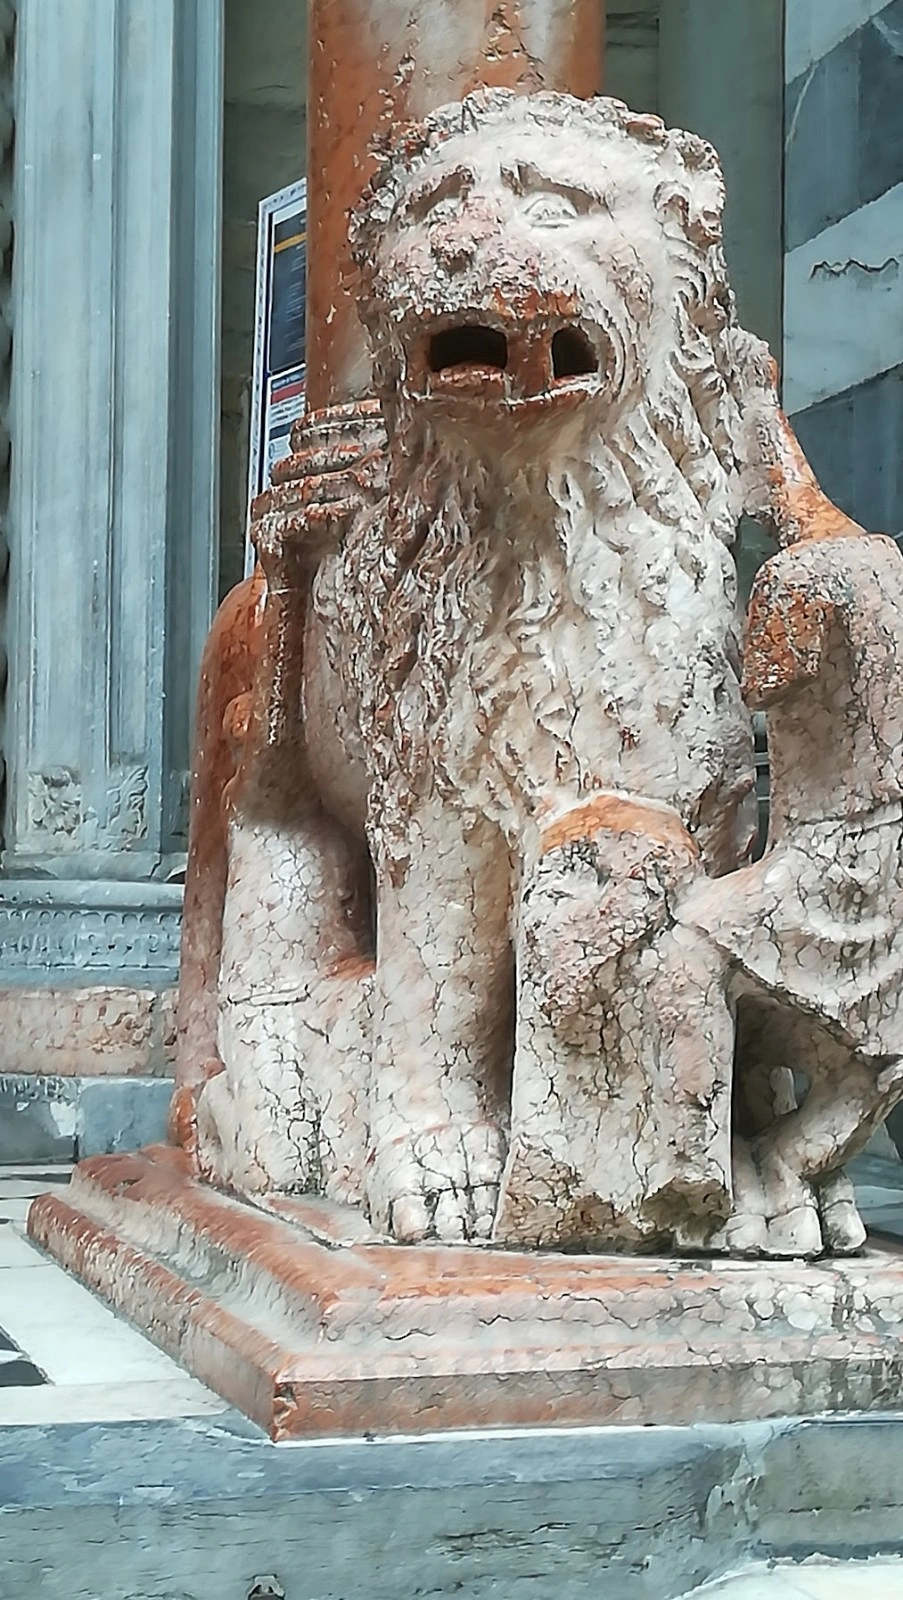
(441, 1184)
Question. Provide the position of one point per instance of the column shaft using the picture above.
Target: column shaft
(372, 68)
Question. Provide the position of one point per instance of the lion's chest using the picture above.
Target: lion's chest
(563, 687)
(511, 683)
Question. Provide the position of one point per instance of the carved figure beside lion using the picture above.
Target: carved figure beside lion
(482, 945)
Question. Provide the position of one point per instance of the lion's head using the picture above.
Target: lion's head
(533, 255)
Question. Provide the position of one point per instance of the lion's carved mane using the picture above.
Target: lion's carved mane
(480, 617)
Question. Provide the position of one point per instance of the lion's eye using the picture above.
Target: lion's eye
(443, 211)
(550, 210)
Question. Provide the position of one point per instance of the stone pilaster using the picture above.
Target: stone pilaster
(7, 126)
(113, 511)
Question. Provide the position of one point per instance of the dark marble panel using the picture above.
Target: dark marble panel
(877, 448)
(32, 1113)
(826, 434)
(844, 128)
(854, 444)
(110, 1114)
(121, 1114)
(881, 103)
(822, 120)
(20, 1375)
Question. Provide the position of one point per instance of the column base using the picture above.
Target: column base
(92, 1030)
(311, 1325)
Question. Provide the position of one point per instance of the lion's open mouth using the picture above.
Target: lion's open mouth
(472, 360)
(573, 355)
(466, 347)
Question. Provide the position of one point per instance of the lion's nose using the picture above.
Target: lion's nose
(453, 248)
(455, 243)
(455, 255)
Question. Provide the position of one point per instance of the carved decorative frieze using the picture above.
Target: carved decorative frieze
(58, 811)
(127, 814)
(55, 928)
(55, 804)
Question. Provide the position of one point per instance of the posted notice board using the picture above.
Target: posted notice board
(277, 395)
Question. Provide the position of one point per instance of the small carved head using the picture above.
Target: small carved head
(531, 254)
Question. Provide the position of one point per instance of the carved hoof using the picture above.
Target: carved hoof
(795, 1233)
(744, 1234)
(792, 1235)
(775, 1210)
(441, 1184)
(842, 1227)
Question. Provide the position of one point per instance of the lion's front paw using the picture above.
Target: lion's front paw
(440, 1184)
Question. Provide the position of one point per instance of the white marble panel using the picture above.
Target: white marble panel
(841, 1580)
(815, 26)
(843, 304)
(71, 1336)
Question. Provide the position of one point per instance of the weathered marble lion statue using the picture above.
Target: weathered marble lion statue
(484, 953)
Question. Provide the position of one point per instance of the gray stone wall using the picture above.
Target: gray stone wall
(631, 52)
(716, 67)
(112, 519)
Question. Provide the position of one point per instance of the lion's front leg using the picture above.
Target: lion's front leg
(443, 1032)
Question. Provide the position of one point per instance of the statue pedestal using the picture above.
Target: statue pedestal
(307, 1322)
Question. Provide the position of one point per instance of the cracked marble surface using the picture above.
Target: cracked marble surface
(493, 962)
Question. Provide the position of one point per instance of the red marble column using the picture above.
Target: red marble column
(375, 64)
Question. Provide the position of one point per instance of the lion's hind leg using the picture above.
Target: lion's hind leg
(620, 1132)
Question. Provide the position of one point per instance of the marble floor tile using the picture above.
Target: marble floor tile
(70, 1334)
(853, 1580)
(45, 1296)
(64, 1355)
(765, 1584)
(862, 1580)
(16, 1251)
(21, 1184)
(53, 1171)
(107, 1402)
